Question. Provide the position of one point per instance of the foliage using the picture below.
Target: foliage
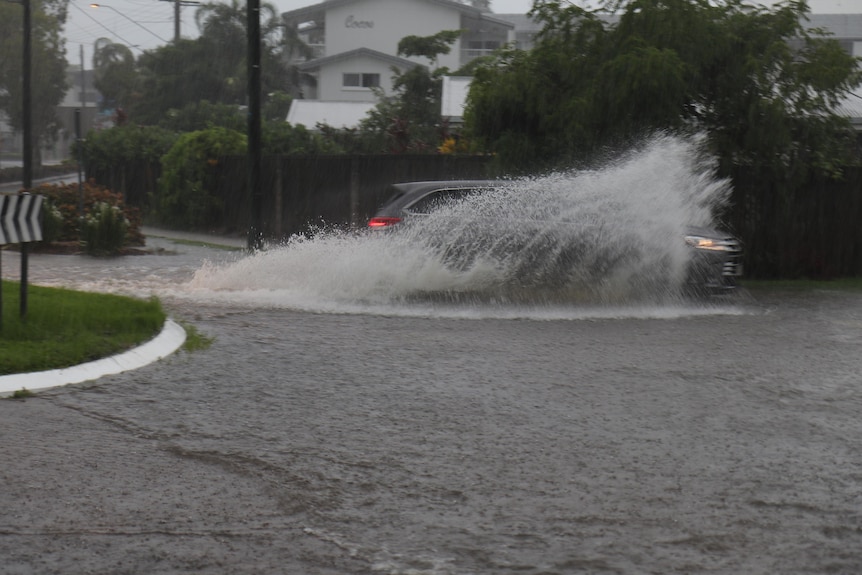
(47, 72)
(279, 137)
(114, 73)
(63, 205)
(761, 86)
(65, 328)
(276, 107)
(103, 230)
(410, 120)
(204, 114)
(184, 195)
(364, 140)
(430, 47)
(123, 144)
(52, 223)
(211, 67)
(195, 340)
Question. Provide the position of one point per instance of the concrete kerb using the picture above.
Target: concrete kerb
(167, 342)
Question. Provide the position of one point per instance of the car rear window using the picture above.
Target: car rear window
(439, 198)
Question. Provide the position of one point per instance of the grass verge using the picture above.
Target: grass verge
(65, 327)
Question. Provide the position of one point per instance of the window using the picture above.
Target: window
(439, 198)
(352, 80)
(488, 45)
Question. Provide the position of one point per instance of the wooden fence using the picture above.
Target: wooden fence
(299, 192)
(815, 232)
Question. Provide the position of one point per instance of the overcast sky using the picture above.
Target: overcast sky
(146, 24)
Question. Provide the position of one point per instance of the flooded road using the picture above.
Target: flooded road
(367, 409)
(675, 439)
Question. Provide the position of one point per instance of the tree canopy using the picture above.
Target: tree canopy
(758, 82)
(409, 121)
(48, 72)
(211, 67)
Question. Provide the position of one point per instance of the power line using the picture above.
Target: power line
(123, 40)
(94, 5)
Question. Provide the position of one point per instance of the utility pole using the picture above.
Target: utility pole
(28, 145)
(177, 16)
(255, 233)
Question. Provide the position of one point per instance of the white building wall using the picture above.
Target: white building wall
(381, 24)
(330, 83)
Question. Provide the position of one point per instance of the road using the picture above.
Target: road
(350, 440)
(14, 187)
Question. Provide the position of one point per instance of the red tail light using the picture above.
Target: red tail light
(383, 221)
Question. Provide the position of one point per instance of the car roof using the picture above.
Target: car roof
(406, 192)
(419, 188)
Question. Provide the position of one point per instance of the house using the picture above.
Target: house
(355, 43)
(78, 106)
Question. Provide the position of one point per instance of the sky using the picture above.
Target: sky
(147, 24)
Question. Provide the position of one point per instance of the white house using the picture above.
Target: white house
(355, 42)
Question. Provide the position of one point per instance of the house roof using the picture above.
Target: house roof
(351, 54)
(310, 113)
(851, 107)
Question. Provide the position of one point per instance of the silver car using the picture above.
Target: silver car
(713, 262)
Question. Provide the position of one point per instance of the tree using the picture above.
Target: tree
(114, 73)
(410, 120)
(211, 67)
(754, 79)
(48, 72)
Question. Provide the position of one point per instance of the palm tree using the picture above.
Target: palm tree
(228, 22)
(223, 27)
(114, 72)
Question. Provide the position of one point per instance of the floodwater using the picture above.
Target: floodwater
(353, 427)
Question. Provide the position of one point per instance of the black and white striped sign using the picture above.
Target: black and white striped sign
(20, 218)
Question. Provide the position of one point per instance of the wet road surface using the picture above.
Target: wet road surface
(328, 443)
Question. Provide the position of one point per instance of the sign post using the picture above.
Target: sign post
(20, 223)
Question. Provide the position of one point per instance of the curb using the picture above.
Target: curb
(167, 342)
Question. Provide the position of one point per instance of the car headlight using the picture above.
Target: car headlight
(712, 244)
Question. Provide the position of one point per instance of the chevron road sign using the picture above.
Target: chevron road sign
(20, 223)
(20, 220)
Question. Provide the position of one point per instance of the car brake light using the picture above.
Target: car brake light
(383, 221)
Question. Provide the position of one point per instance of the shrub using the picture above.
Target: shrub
(103, 230)
(123, 144)
(184, 197)
(52, 222)
(60, 212)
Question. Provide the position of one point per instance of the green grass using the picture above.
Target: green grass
(65, 327)
(195, 340)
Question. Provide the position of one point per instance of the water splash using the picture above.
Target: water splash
(604, 240)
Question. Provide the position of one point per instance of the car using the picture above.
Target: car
(548, 245)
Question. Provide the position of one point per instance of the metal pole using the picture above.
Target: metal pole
(28, 146)
(177, 4)
(255, 233)
(83, 79)
(78, 156)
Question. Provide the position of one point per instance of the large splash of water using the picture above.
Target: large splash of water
(605, 238)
